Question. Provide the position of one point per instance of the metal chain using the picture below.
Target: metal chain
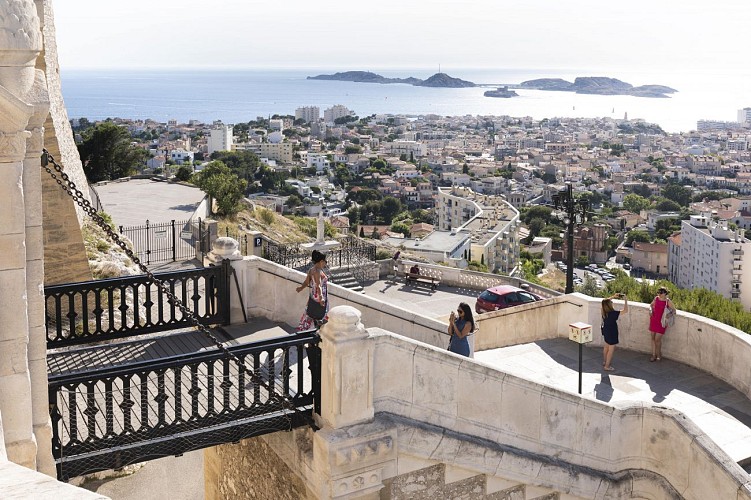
(70, 187)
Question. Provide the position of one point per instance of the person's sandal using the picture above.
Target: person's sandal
(608, 368)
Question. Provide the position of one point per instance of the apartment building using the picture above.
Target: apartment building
(220, 139)
(411, 149)
(280, 152)
(712, 256)
(493, 225)
(334, 112)
(308, 114)
(744, 115)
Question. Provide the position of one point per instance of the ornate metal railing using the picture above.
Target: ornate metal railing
(351, 253)
(115, 416)
(92, 311)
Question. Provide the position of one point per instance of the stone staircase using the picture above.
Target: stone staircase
(439, 481)
(344, 277)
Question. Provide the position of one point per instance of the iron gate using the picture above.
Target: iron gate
(169, 241)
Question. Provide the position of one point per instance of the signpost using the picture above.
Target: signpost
(581, 333)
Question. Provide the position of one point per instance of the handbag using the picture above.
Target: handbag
(668, 317)
(315, 309)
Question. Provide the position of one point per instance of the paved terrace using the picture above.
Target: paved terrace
(720, 410)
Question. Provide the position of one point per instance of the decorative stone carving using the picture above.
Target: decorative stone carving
(35, 142)
(13, 146)
(359, 484)
(20, 42)
(362, 451)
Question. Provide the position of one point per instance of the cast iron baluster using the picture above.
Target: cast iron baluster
(161, 399)
(91, 411)
(144, 393)
(171, 302)
(210, 388)
(72, 314)
(226, 386)
(111, 308)
(136, 287)
(72, 414)
(123, 308)
(59, 317)
(241, 385)
(194, 392)
(300, 372)
(256, 387)
(272, 374)
(109, 410)
(98, 311)
(177, 373)
(285, 371)
(85, 315)
(148, 304)
(126, 405)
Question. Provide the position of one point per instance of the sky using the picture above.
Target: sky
(359, 35)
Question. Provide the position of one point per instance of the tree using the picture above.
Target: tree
(107, 153)
(635, 203)
(536, 226)
(668, 206)
(679, 194)
(536, 212)
(400, 227)
(217, 180)
(637, 235)
(184, 173)
(391, 206)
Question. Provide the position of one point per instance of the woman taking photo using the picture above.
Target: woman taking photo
(461, 324)
(610, 328)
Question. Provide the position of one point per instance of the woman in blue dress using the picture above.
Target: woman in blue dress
(610, 328)
(461, 325)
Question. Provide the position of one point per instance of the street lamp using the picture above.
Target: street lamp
(572, 212)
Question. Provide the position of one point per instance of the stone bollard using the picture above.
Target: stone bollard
(226, 251)
(352, 453)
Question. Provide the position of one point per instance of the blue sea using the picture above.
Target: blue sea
(235, 96)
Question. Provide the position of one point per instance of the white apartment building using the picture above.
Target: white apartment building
(493, 225)
(744, 115)
(220, 139)
(180, 156)
(334, 112)
(712, 256)
(308, 114)
(319, 161)
(397, 148)
(276, 124)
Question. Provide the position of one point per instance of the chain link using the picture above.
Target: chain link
(67, 185)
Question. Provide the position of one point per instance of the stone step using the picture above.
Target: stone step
(514, 493)
(346, 279)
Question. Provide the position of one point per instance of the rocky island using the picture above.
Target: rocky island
(598, 85)
(502, 92)
(440, 80)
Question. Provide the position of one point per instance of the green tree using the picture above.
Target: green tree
(184, 173)
(635, 203)
(666, 205)
(226, 188)
(536, 211)
(637, 235)
(107, 153)
(400, 227)
(390, 207)
(536, 226)
(679, 194)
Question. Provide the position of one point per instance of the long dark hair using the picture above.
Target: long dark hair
(467, 314)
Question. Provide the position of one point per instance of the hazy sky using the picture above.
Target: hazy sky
(355, 34)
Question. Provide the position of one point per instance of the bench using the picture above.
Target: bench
(421, 279)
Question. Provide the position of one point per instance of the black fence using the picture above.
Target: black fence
(352, 252)
(169, 241)
(92, 311)
(115, 416)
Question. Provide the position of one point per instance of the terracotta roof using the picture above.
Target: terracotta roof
(651, 247)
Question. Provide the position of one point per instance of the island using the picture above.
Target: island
(439, 80)
(502, 92)
(598, 85)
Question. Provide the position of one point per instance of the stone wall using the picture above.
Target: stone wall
(64, 252)
(250, 469)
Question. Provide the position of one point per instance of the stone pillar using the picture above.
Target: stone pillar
(64, 251)
(351, 454)
(32, 188)
(222, 249)
(20, 43)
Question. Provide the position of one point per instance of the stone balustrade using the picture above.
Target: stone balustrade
(702, 343)
(462, 278)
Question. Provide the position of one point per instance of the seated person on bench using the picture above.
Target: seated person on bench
(414, 269)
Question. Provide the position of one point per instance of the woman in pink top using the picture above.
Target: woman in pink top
(656, 308)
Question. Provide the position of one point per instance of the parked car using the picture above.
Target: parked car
(503, 296)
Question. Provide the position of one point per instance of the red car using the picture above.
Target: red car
(503, 296)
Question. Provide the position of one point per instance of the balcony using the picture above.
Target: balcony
(737, 252)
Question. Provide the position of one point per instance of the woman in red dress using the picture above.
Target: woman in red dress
(656, 329)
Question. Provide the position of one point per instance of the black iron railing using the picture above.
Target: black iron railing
(92, 311)
(168, 241)
(113, 417)
(352, 252)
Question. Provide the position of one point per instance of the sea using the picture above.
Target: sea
(235, 96)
